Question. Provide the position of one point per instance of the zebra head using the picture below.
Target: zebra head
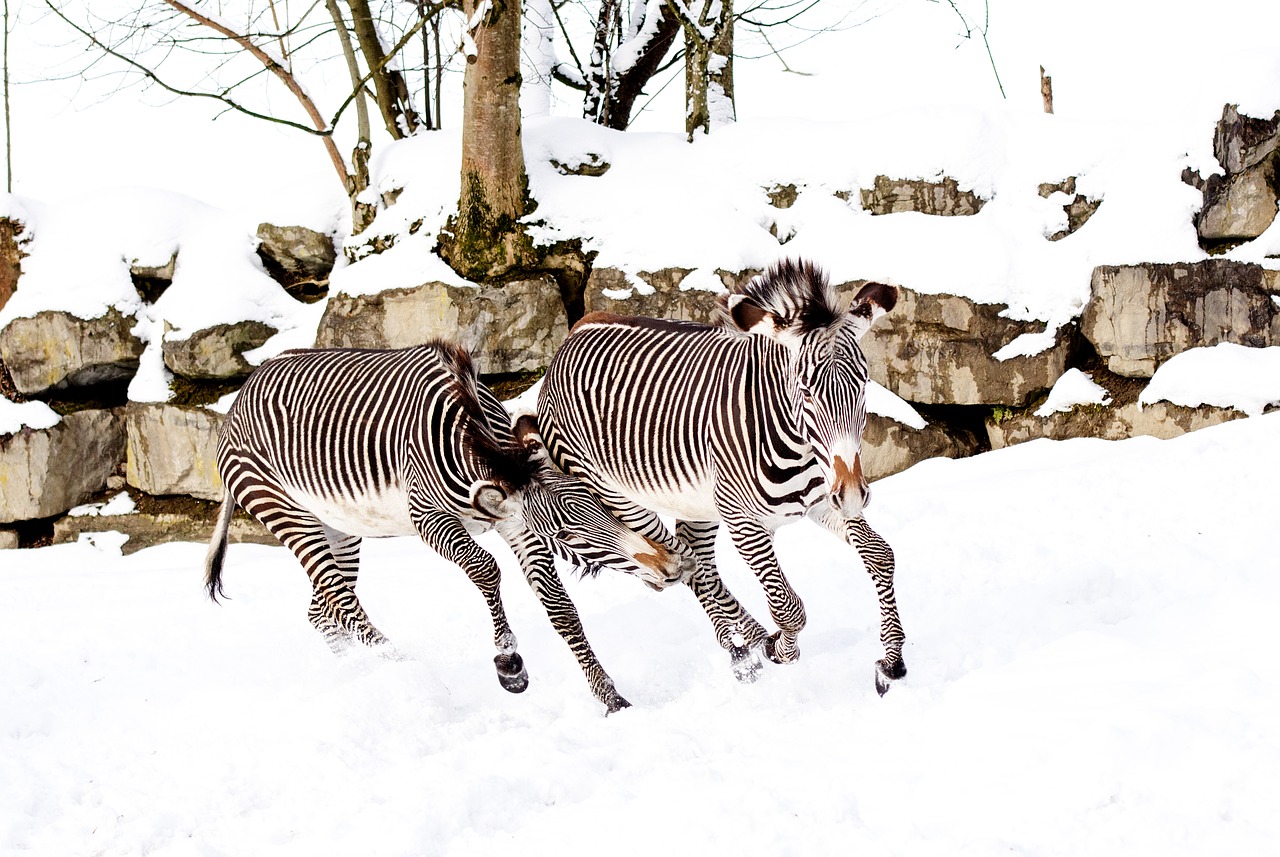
(563, 511)
(794, 305)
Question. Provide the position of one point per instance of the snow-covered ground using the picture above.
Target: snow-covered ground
(1091, 644)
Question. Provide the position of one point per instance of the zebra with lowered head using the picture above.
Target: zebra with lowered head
(752, 422)
(328, 446)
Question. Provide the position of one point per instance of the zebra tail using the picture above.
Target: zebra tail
(218, 549)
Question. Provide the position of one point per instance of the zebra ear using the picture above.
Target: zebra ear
(871, 302)
(489, 499)
(527, 431)
(750, 318)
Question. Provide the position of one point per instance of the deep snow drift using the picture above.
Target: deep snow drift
(1091, 644)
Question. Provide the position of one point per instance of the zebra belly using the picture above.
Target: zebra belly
(382, 513)
(694, 502)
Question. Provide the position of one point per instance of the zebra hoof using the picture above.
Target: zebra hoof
(746, 664)
(615, 704)
(511, 673)
(773, 653)
(887, 672)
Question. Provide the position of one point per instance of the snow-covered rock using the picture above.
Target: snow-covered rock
(941, 349)
(298, 258)
(46, 471)
(216, 352)
(1141, 315)
(515, 327)
(944, 197)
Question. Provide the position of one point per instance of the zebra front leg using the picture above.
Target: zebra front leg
(736, 629)
(445, 534)
(878, 558)
(539, 568)
(754, 542)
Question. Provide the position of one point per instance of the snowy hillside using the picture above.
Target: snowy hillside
(1090, 643)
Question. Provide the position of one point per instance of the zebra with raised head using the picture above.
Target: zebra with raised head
(327, 446)
(752, 422)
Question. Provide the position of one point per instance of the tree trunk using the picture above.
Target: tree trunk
(391, 92)
(628, 85)
(484, 240)
(708, 69)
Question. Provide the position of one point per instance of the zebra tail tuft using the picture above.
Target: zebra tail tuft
(218, 549)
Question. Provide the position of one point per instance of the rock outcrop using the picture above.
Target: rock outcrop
(661, 296)
(944, 198)
(297, 258)
(216, 353)
(173, 450)
(1141, 315)
(45, 472)
(1161, 419)
(938, 349)
(1241, 203)
(56, 350)
(515, 327)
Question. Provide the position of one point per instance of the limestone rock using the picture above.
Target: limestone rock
(1238, 207)
(937, 349)
(147, 529)
(944, 197)
(1241, 204)
(44, 472)
(55, 350)
(515, 327)
(297, 258)
(1162, 420)
(8, 540)
(1242, 142)
(172, 450)
(1141, 315)
(609, 290)
(151, 281)
(889, 447)
(216, 352)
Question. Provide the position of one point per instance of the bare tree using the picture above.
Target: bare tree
(257, 46)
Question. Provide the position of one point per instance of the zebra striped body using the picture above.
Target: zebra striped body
(326, 447)
(752, 423)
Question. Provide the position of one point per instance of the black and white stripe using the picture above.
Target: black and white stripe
(753, 422)
(329, 446)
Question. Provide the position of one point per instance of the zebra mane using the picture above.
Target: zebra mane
(795, 292)
(511, 462)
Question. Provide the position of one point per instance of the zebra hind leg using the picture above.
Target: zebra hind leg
(334, 609)
(346, 552)
(736, 629)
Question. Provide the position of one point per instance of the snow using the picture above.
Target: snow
(14, 416)
(1225, 375)
(1098, 681)
(121, 504)
(1073, 388)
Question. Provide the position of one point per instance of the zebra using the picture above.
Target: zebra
(753, 422)
(326, 446)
